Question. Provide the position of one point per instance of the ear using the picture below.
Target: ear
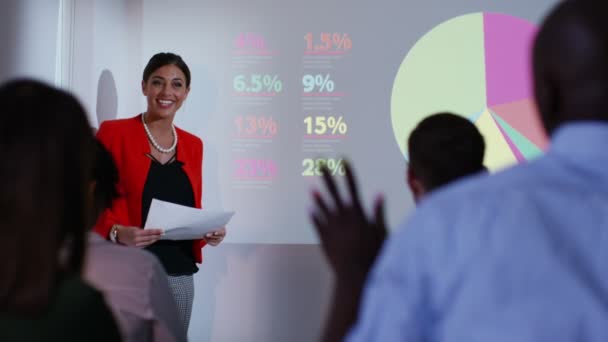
(143, 88)
(92, 188)
(187, 92)
(415, 185)
(91, 194)
(546, 97)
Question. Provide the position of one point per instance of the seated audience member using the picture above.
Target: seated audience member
(46, 143)
(442, 148)
(137, 291)
(518, 256)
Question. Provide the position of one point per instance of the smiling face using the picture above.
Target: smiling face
(165, 90)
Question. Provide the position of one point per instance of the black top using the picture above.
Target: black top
(168, 182)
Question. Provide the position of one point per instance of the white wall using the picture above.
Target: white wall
(107, 37)
(107, 57)
(260, 293)
(28, 32)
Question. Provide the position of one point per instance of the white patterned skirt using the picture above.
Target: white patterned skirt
(182, 288)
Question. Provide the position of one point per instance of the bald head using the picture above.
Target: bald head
(570, 63)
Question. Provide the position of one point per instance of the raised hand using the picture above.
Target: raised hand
(350, 240)
(351, 243)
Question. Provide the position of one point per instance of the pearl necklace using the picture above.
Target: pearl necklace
(154, 143)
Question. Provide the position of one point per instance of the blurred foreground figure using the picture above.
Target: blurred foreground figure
(137, 291)
(518, 256)
(443, 148)
(46, 170)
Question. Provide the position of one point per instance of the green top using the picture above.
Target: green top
(78, 313)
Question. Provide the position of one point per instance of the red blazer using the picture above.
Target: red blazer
(127, 142)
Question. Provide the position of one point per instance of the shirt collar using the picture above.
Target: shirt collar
(582, 142)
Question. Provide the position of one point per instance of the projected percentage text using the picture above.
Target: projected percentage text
(255, 126)
(321, 125)
(312, 167)
(249, 41)
(255, 169)
(338, 42)
(320, 83)
(257, 83)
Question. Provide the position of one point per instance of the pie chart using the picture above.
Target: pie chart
(478, 66)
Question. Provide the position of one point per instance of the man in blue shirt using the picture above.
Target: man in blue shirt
(518, 256)
(442, 148)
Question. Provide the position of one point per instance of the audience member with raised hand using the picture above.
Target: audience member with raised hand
(351, 241)
(518, 256)
(442, 148)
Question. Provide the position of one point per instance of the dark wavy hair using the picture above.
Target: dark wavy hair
(105, 176)
(444, 147)
(166, 58)
(46, 142)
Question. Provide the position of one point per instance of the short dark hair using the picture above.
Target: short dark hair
(569, 64)
(46, 142)
(166, 58)
(444, 147)
(105, 175)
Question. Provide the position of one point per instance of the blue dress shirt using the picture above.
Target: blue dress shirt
(519, 256)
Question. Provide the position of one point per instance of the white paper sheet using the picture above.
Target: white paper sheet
(184, 223)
